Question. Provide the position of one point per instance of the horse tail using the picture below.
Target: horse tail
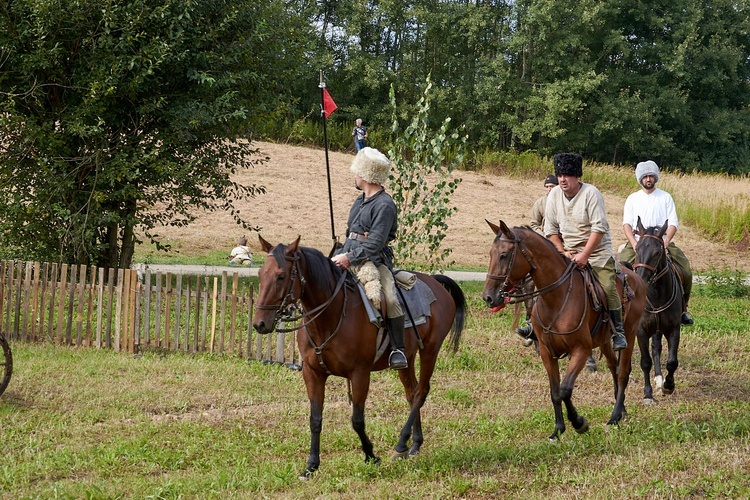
(460, 300)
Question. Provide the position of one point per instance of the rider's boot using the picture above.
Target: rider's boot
(397, 359)
(619, 342)
(525, 332)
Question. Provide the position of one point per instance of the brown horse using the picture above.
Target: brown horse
(664, 307)
(337, 337)
(564, 319)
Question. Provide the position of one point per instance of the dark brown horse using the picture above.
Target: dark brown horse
(337, 338)
(564, 319)
(663, 308)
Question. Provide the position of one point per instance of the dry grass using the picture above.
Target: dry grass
(297, 204)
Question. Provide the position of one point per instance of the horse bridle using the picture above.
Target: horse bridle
(507, 286)
(656, 275)
(288, 303)
(565, 276)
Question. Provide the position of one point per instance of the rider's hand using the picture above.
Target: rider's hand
(341, 260)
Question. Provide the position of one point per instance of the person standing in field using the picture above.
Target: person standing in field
(359, 133)
(655, 207)
(575, 221)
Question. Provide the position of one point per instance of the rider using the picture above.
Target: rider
(655, 207)
(372, 224)
(537, 224)
(575, 221)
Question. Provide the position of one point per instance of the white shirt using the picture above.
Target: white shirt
(653, 209)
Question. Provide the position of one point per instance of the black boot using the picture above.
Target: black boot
(619, 342)
(686, 319)
(526, 331)
(397, 359)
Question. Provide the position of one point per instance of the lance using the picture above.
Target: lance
(323, 115)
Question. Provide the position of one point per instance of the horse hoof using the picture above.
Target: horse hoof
(659, 381)
(584, 427)
(666, 392)
(400, 454)
(306, 474)
(649, 401)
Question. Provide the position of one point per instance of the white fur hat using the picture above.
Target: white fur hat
(372, 165)
(645, 168)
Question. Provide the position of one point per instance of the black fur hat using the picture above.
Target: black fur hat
(568, 164)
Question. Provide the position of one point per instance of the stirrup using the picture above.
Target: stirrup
(397, 360)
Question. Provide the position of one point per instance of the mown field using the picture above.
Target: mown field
(82, 423)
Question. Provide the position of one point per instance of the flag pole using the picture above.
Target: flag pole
(322, 87)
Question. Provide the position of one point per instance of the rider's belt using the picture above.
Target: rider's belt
(357, 236)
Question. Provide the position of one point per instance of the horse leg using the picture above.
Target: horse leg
(673, 341)
(552, 367)
(578, 360)
(316, 387)
(656, 354)
(621, 383)
(360, 388)
(646, 363)
(416, 395)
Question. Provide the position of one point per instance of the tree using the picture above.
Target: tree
(125, 115)
(421, 186)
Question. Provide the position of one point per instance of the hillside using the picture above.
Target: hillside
(296, 203)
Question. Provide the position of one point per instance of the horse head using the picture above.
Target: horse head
(505, 271)
(650, 255)
(280, 284)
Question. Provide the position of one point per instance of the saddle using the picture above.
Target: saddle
(414, 295)
(599, 299)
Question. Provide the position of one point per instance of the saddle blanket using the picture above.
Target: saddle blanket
(417, 299)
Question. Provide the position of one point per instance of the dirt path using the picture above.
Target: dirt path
(296, 204)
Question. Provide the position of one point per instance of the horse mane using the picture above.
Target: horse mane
(528, 229)
(320, 267)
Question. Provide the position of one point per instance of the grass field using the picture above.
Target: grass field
(82, 423)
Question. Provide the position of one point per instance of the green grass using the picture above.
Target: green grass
(85, 423)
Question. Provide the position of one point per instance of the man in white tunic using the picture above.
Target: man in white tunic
(575, 221)
(655, 207)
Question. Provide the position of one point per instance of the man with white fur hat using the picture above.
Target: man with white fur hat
(655, 207)
(372, 224)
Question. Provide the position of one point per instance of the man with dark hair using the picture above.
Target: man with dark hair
(655, 207)
(575, 221)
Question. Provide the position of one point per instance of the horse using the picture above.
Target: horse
(664, 306)
(565, 321)
(337, 337)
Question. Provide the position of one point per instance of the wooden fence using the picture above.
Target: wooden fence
(118, 309)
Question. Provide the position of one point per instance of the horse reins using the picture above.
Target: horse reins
(656, 275)
(312, 314)
(567, 275)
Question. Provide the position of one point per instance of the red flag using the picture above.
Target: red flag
(328, 105)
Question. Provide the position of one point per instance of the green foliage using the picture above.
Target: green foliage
(421, 185)
(109, 110)
(726, 285)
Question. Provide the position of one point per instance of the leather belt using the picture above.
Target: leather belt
(357, 236)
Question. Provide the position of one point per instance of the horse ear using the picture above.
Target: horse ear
(506, 231)
(639, 227)
(266, 246)
(292, 248)
(495, 228)
(664, 228)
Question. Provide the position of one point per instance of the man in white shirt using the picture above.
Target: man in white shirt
(655, 207)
